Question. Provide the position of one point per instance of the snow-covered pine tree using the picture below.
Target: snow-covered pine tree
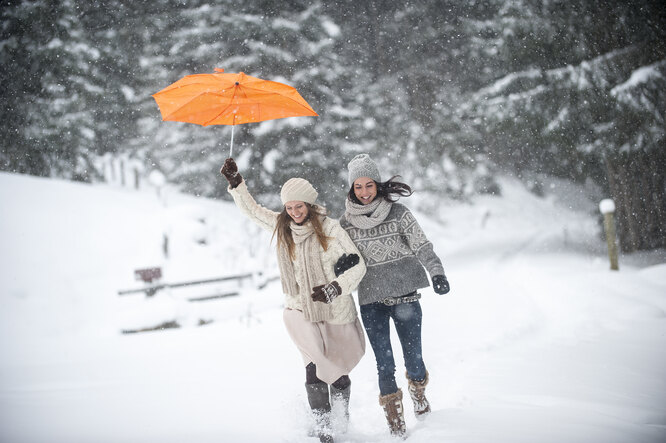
(583, 120)
(634, 151)
(53, 83)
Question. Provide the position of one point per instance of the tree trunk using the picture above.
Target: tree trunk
(637, 183)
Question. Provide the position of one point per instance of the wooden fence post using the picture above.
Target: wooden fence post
(607, 208)
(122, 172)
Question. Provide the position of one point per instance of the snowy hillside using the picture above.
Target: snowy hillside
(538, 340)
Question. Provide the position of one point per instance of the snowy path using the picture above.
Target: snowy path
(538, 341)
(560, 357)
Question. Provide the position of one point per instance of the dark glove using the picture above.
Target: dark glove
(230, 172)
(326, 293)
(344, 263)
(440, 284)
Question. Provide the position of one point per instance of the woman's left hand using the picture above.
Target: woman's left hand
(326, 293)
(440, 284)
(230, 172)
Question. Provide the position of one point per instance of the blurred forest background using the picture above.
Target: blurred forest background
(448, 94)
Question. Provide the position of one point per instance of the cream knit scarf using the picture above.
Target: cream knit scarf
(307, 251)
(367, 216)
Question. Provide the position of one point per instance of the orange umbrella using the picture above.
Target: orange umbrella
(229, 99)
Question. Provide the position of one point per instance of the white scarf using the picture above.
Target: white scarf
(307, 248)
(367, 216)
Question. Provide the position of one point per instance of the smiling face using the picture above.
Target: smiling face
(297, 210)
(365, 189)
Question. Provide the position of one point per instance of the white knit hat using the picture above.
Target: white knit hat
(298, 189)
(362, 166)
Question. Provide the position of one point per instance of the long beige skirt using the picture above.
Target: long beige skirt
(334, 349)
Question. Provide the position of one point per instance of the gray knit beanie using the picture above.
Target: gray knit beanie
(298, 189)
(362, 166)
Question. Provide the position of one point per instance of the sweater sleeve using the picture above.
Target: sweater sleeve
(265, 218)
(349, 279)
(419, 244)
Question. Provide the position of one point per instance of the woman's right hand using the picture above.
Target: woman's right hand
(230, 172)
(326, 293)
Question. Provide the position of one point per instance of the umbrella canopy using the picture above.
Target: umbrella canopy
(229, 99)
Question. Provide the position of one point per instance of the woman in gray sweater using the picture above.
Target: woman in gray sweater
(395, 251)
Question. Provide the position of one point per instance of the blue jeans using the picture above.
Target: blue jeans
(407, 320)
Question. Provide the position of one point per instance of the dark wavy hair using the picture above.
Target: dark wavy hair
(390, 190)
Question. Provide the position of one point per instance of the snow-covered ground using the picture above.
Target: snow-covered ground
(538, 340)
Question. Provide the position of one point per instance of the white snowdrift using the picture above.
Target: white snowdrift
(538, 340)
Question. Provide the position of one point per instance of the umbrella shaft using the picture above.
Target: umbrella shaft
(231, 148)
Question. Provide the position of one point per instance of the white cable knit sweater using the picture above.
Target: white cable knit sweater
(343, 307)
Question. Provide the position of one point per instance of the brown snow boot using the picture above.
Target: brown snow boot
(395, 416)
(417, 392)
(321, 410)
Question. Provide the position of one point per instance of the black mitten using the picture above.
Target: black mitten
(345, 262)
(440, 284)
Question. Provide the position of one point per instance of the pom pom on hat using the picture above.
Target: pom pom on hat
(298, 189)
(362, 166)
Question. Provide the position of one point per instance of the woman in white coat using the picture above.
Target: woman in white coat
(319, 268)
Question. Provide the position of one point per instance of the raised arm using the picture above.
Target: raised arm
(265, 218)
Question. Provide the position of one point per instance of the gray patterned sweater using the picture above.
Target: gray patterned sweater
(395, 253)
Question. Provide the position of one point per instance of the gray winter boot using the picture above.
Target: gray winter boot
(321, 409)
(340, 408)
(395, 416)
(417, 392)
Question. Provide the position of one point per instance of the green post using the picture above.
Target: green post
(607, 208)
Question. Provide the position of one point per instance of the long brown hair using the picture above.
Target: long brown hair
(283, 228)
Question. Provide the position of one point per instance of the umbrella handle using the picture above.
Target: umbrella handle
(231, 148)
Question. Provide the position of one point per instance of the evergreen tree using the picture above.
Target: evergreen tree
(47, 61)
(20, 27)
(442, 92)
(633, 148)
(57, 91)
(578, 121)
